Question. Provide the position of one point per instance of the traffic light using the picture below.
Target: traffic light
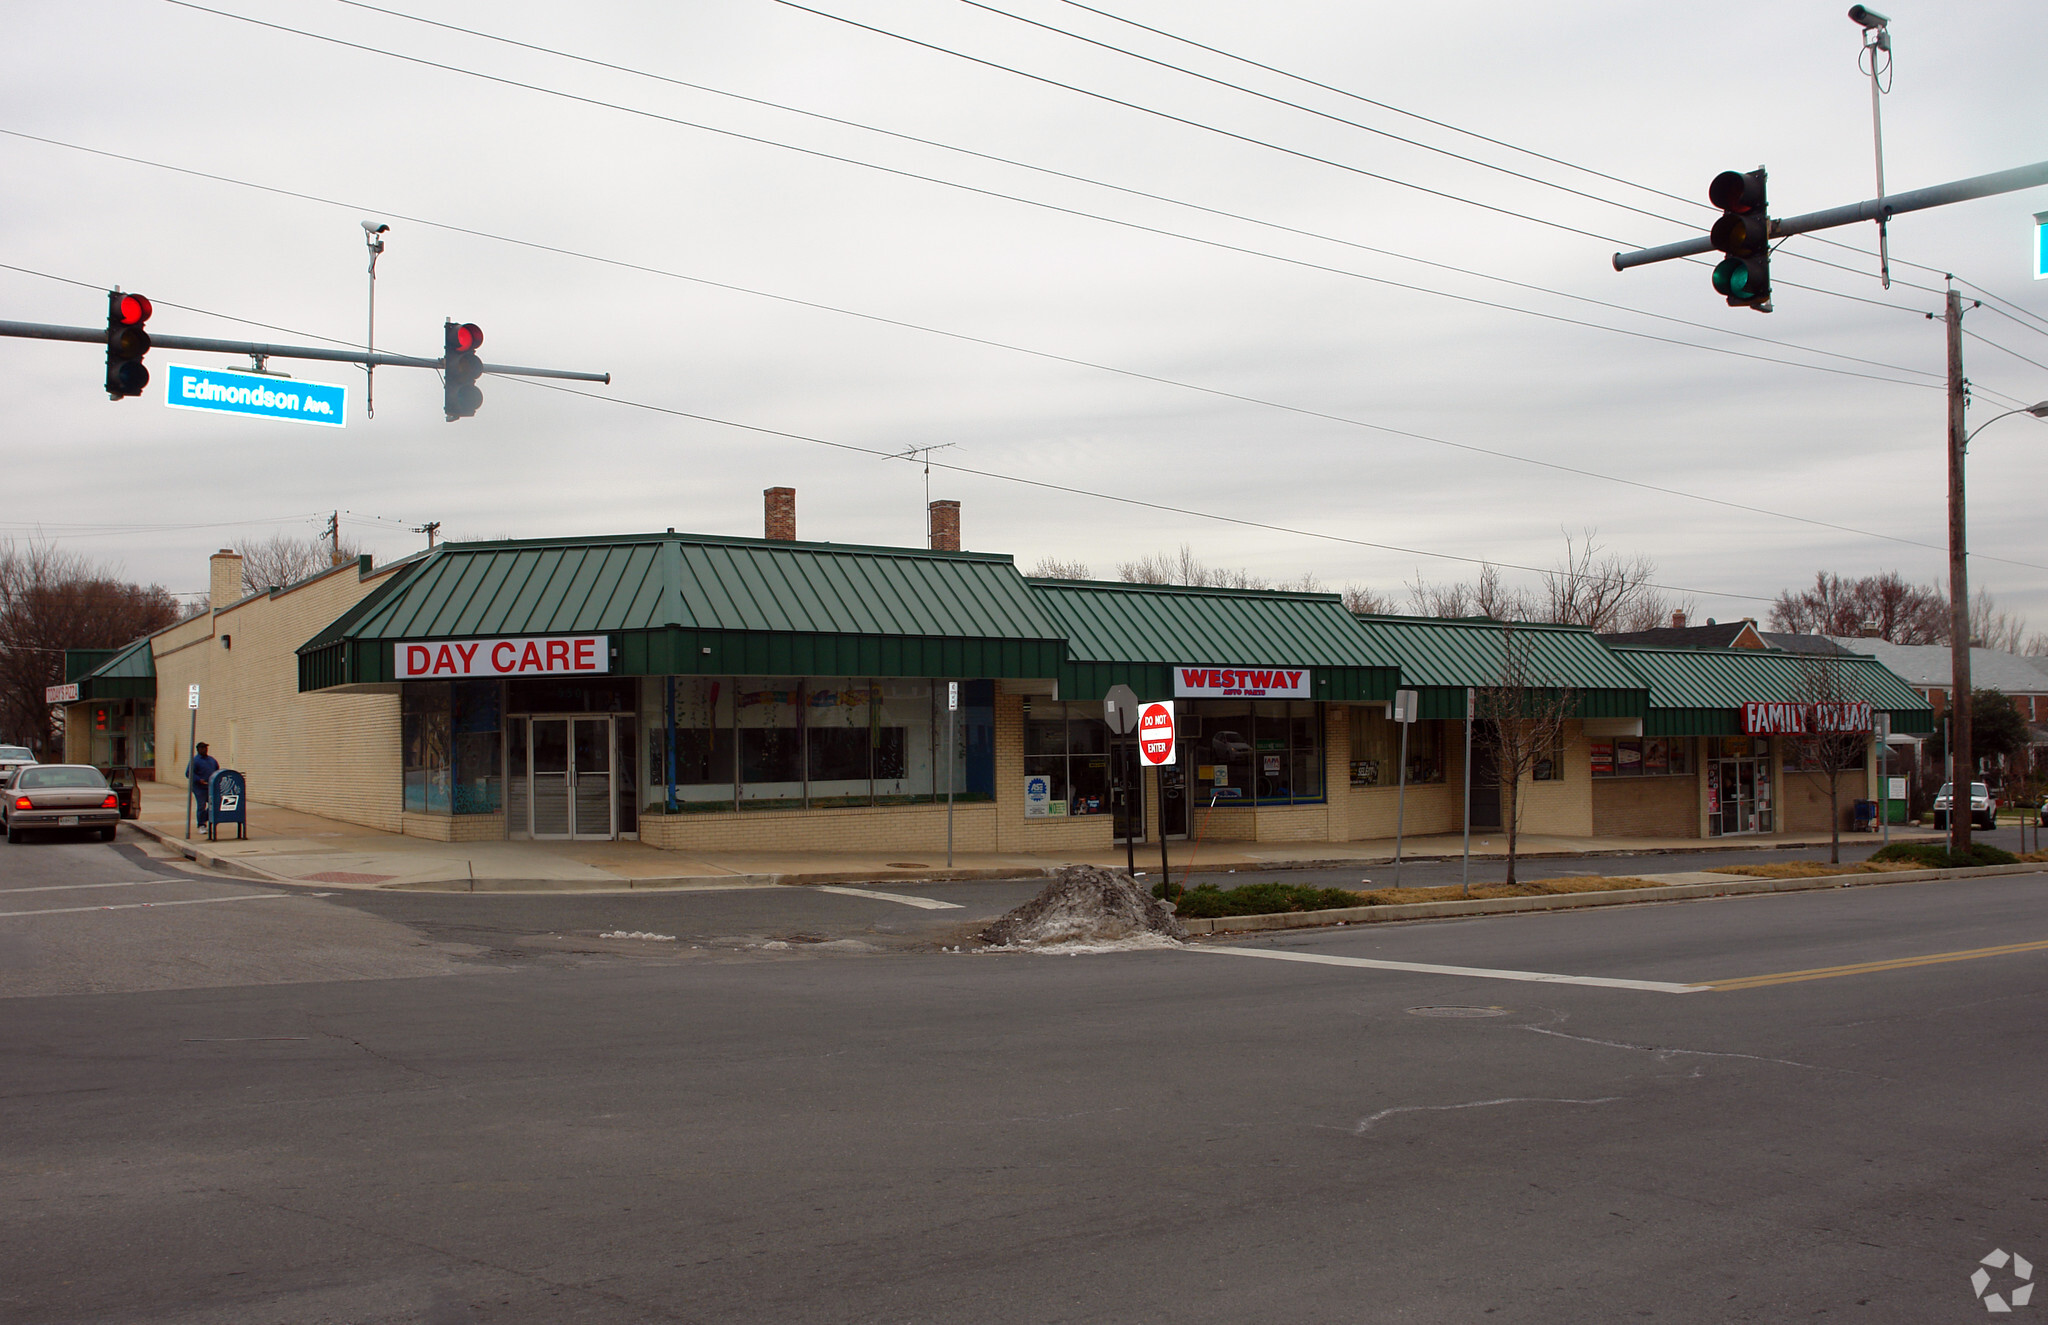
(460, 368)
(127, 342)
(1744, 234)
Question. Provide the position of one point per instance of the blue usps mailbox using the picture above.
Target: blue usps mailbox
(227, 801)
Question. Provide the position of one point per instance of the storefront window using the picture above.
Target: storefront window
(424, 731)
(1376, 749)
(1069, 744)
(478, 721)
(1643, 756)
(1548, 765)
(1268, 751)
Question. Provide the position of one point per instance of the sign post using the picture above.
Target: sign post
(952, 711)
(1156, 747)
(1120, 712)
(1471, 707)
(1403, 713)
(191, 752)
(1881, 729)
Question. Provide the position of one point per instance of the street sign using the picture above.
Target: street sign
(192, 695)
(952, 696)
(1120, 710)
(256, 395)
(1155, 733)
(2041, 246)
(1405, 704)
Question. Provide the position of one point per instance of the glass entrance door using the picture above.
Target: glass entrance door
(570, 778)
(1741, 796)
(1127, 795)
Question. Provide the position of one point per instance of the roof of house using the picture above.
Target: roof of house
(1134, 634)
(1713, 635)
(1928, 665)
(1818, 645)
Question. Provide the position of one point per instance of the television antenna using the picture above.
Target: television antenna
(923, 455)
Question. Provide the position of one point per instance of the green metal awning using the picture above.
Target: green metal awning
(1700, 692)
(681, 604)
(1135, 634)
(1440, 657)
(128, 672)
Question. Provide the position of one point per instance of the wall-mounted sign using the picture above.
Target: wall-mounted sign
(63, 694)
(1799, 719)
(554, 655)
(2041, 246)
(259, 395)
(1037, 797)
(1241, 682)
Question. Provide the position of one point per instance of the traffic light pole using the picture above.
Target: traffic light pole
(256, 349)
(1939, 195)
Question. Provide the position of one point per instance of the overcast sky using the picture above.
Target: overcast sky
(1282, 376)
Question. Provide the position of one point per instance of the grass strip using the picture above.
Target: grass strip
(1206, 901)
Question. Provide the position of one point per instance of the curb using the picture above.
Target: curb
(706, 882)
(198, 853)
(1737, 885)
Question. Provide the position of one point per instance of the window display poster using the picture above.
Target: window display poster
(1603, 759)
(1037, 797)
(1657, 756)
(1628, 758)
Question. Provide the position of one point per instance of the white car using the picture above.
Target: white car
(11, 758)
(1983, 806)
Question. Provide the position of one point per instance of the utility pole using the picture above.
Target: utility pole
(1959, 801)
(333, 534)
(430, 528)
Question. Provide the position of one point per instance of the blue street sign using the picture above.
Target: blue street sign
(2041, 246)
(224, 391)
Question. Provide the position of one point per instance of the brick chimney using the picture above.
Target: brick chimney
(780, 507)
(224, 584)
(1678, 620)
(944, 524)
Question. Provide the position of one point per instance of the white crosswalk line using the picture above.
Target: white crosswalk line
(1477, 972)
(924, 903)
(71, 887)
(137, 906)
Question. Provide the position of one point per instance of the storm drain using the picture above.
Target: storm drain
(1457, 1012)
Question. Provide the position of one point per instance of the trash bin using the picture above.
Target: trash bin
(227, 801)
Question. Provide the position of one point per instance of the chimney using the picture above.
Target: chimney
(1678, 620)
(944, 525)
(224, 585)
(780, 506)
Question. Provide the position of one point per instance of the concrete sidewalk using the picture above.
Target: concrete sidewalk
(286, 846)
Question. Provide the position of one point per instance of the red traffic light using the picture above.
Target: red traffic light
(131, 310)
(1735, 192)
(465, 336)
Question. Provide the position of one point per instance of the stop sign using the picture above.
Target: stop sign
(1155, 732)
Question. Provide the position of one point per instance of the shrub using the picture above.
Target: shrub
(1205, 900)
(1935, 856)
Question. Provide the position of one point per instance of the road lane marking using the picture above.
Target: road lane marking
(73, 887)
(137, 906)
(1477, 972)
(1872, 968)
(924, 903)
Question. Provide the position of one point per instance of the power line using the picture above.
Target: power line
(1986, 340)
(1141, 193)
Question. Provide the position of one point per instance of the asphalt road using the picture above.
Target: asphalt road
(537, 1124)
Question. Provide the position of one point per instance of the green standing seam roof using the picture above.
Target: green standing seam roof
(1440, 657)
(684, 604)
(128, 672)
(1135, 634)
(1700, 692)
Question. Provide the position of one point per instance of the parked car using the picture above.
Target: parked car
(1983, 806)
(62, 796)
(13, 757)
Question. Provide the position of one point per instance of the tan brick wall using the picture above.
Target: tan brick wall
(1564, 806)
(901, 829)
(1647, 806)
(1805, 800)
(326, 753)
(1094, 832)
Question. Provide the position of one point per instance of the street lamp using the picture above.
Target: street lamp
(1962, 766)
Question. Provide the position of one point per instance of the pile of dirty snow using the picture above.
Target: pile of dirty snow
(1088, 909)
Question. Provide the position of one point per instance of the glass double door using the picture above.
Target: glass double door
(1127, 796)
(1739, 793)
(571, 779)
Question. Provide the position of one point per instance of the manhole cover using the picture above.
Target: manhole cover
(906, 865)
(1458, 1012)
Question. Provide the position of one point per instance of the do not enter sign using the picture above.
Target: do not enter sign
(1155, 733)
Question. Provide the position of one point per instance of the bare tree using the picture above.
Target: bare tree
(1605, 592)
(1993, 629)
(273, 563)
(1183, 567)
(1824, 746)
(1361, 601)
(1052, 568)
(51, 601)
(1884, 606)
(1522, 720)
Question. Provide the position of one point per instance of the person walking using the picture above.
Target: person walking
(199, 772)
